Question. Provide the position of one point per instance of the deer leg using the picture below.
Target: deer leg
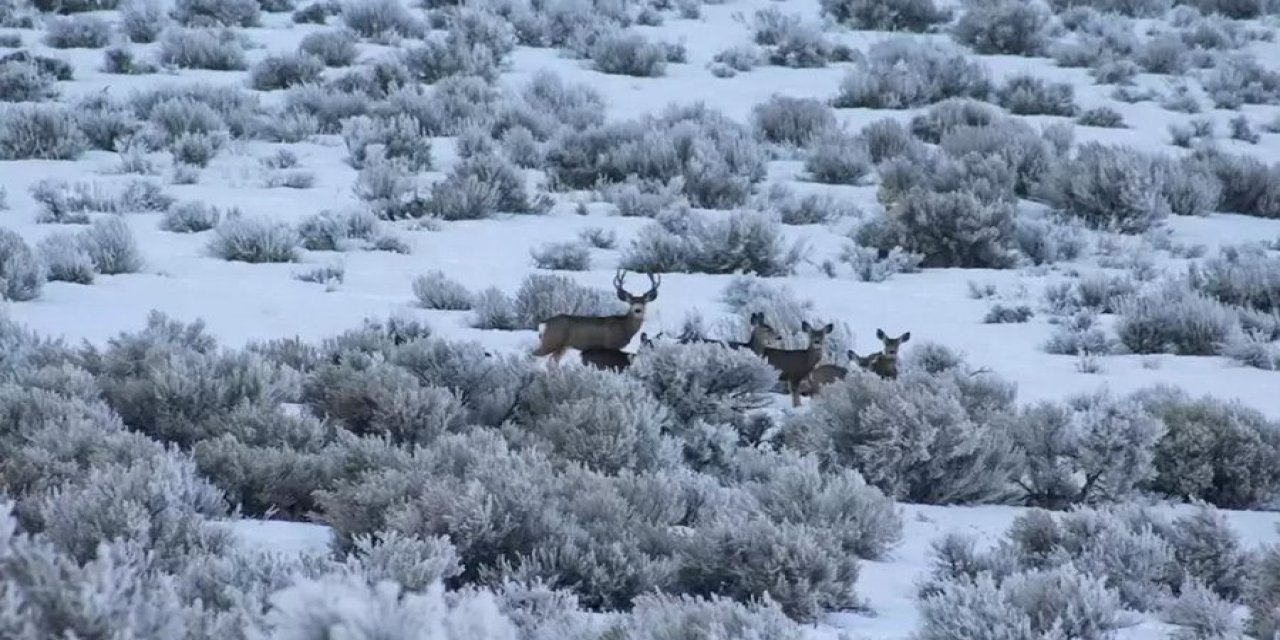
(795, 393)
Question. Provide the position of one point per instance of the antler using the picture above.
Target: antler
(654, 281)
(618, 279)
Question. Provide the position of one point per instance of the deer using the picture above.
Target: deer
(615, 360)
(885, 363)
(796, 364)
(565, 331)
(762, 335)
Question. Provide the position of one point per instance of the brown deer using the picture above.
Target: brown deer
(886, 362)
(867, 362)
(564, 332)
(796, 364)
(614, 360)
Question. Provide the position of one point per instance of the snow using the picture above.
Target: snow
(241, 302)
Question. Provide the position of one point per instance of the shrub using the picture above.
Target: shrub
(661, 148)
(39, 132)
(1240, 276)
(480, 186)
(335, 47)
(332, 231)
(1237, 80)
(599, 237)
(1027, 155)
(903, 73)
(952, 229)
(1079, 335)
(381, 19)
(793, 121)
(901, 435)
(656, 616)
(1027, 95)
(1175, 318)
(254, 240)
(401, 138)
(25, 81)
(1107, 442)
(628, 55)
(1108, 187)
(1103, 117)
(1248, 186)
(705, 381)
(887, 139)
(543, 296)
(64, 259)
(812, 208)
(787, 41)
(285, 70)
(217, 13)
(839, 159)
(435, 290)
(495, 310)
(142, 21)
(950, 114)
(21, 272)
(111, 246)
(687, 242)
(1001, 314)
(1264, 594)
(563, 256)
(1003, 27)
(896, 15)
(202, 49)
(1242, 131)
(77, 32)
(1214, 450)
(382, 400)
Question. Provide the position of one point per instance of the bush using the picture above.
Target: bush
(628, 55)
(1103, 117)
(142, 21)
(1109, 187)
(335, 47)
(1028, 95)
(65, 259)
(705, 382)
(401, 138)
(1001, 314)
(950, 114)
(656, 616)
(933, 438)
(331, 231)
(202, 49)
(903, 73)
(894, 15)
(948, 229)
(1240, 79)
(563, 256)
(812, 208)
(381, 19)
(786, 41)
(254, 240)
(39, 132)
(21, 273)
(1175, 318)
(25, 81)
(543, 296)
(435, 290)
(217, 13)
(1003, 27)
(839, 159)
(1264, 594)
(716, 158)
(1107, 442)
(112, 247)
(285, 70)
(1240, 276)
(480, 186)
(1248, 186)
(888, 139)
(793, 121)
(1214, 450)
(382, 400)
(686, 242)
(77, 32)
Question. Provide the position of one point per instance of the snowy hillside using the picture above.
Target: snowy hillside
(272, 274)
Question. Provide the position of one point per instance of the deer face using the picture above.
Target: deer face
(817, 336)
(762, 332)
(863, 362)
(891, 344)
(636, 304)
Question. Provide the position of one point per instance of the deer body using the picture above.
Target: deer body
(885, 363)
(615, 360)
(795, 365)
(823, 374)
(583, 333)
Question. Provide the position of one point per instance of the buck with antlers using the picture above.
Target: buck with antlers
(614, 360)
(564, 332)
(795, 365)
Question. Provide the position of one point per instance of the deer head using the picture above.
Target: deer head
(863, 362)
(891, 345)
(762, 333)
(816, 336)
(636, 304)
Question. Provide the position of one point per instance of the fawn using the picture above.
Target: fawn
(885, 363)
(796, 364)
(613, 359)
(564, 332)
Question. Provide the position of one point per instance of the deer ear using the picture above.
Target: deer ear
(757, 318)
(831, 326)
(804, 326)
(880, 334)
(622, 295)
(906, 336)
(852, 355)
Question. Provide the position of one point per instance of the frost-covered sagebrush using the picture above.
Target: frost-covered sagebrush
(688, 242)
(903, 72)
(22, 273)
(254, 240)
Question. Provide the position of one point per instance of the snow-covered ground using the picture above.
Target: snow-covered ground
(242, 302)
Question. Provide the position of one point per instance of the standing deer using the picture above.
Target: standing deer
(796, 364)
(613, 359)
(885, 364)
(564, 332)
